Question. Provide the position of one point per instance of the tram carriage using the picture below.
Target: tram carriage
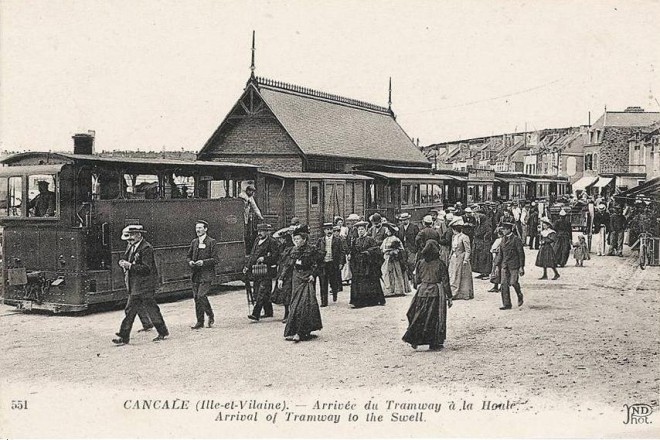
(65, 258)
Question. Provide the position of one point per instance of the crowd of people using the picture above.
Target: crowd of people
(438, 259)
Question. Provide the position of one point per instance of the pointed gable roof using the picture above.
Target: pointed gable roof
(328, 125)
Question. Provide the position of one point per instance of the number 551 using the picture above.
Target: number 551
(19, 404)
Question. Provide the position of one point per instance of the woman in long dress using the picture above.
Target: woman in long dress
(562, 246)
(366, 260)
(395, 280)
(546, 256)
(282, 295)
(304, 312)
(460, 269)
(427, 315)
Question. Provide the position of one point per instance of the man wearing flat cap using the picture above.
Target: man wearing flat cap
(331, 249)
(141, 279)
(202, 259)
(265, 251)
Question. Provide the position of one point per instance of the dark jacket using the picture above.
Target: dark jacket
(408, 237)
(617, 223)
(428, 233)
(209, 256)
(338, 252)
(601, 218)
(512, 254)
(142, 276)
(269, 249)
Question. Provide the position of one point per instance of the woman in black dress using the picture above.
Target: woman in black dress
(427, 315)
(562, 246)
(304, 313)
(366, 260)
(282, 293)
(546, 255)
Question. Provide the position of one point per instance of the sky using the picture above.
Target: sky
(162, 75)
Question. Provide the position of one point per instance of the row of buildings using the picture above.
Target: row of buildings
(617, 152)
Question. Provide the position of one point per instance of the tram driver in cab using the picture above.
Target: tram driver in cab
(43, 205)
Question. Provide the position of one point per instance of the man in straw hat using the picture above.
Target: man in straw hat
(202, 259)
(265, 251)
(141, 281)
(330, 247)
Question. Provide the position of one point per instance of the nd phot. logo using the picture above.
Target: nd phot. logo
(637, 414)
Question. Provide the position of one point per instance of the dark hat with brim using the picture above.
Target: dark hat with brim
(302, 229)
(507, 225)
(393, 228)
(361, 224)
(202, 222)
(264, 227)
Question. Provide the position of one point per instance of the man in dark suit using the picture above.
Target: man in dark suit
(331, 250)
(141, 279)
(265, 250)
(407, 234)
(202, 258)
(512, 264)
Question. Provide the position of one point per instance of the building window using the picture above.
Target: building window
(314, 194)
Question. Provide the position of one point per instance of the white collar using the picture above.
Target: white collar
(202, 238)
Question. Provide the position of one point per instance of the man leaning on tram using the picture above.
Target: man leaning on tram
(141, 277)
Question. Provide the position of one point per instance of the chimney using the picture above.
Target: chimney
(634, 110)
(83, 143)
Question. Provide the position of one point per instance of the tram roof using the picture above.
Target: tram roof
(126, 160)
(412, 176)
(315, 176)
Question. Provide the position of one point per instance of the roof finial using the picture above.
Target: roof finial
(389, 99)
(252, 65)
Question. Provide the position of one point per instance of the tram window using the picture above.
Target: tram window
(106, 186)
(405, 194)
(415, 194)
(4, 203)
(42, 195)
(437, 194)
(179, 187)
(424, 193)
(15, 197)
(142, 186)
(218, 189)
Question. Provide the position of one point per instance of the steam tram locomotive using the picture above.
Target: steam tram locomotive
(61, 217)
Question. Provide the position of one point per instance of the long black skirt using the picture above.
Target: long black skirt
(366, 291)
(304, 312)
(427, 317)
(282, 296)
(562, 248)
(546, 256)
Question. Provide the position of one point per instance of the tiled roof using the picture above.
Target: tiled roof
(627, 119)
(329, 125)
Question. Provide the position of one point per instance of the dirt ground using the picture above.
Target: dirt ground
(588, 340)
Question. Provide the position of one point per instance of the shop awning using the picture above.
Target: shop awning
(650, 188)
(603, 181)
(584, 183)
